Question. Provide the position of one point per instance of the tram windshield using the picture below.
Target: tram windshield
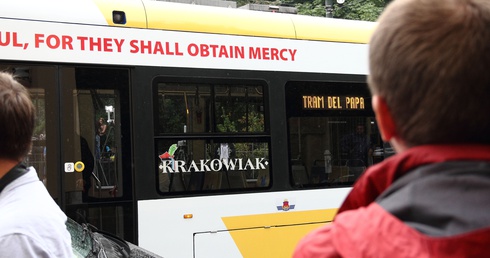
(333, 136)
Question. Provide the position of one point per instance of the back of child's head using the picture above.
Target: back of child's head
(430, 62)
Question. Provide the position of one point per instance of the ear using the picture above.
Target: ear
(384, 118)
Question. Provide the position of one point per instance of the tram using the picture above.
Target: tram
(194, 131)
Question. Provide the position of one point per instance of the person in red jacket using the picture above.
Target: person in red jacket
(429, 76)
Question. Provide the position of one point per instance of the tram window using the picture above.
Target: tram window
(41, 83)
(201, 165)
(210, 137)
(239, 109)
(333, 136)
(209, 108)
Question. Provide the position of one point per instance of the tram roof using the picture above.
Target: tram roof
(162, 15)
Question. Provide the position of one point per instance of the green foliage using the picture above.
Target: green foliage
(253, 122)
(312, 8)
(248, 122)
(228, 125)
(366, 10)
(241, 2)
(40, 125)
(244, 2)
(172, 115)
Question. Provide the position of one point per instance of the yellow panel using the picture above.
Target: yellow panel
(134, 10)
(220, 20)
(272, 238)
(271, 242)
(279, 218)
(328, 29)
(232, 21)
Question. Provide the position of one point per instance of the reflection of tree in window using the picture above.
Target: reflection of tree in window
(254, 122)
(40, 127)
(243, 104)
(227, 125)
(171, 113)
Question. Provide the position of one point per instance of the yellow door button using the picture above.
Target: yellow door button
(79, 166)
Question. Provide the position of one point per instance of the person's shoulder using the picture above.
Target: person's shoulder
(41, 228)
(9, 222)
(20, 216)
(342, 237)
(32, 245)
(28, 199)
(317, 243)
(352, 230)
(20, 245)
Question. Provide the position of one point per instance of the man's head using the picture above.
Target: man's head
(429, 64)
(17, 115)
(360, 129)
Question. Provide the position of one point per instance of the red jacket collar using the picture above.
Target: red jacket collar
(379, 177)
(373, 232)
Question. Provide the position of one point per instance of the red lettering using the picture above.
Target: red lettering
(107, 45)
(281, 53)
(38, 39)
(254, 53)
(82, 42)
(204, 50)
(177, 52)
(5, 38)
(240, 52)
(134, 46)
(293, 53)
(14, 40)
(53, 42)
(274, 54)
(67, 42)
(95, 44)
(158, 48)
(192, 49)
(11, 38)
(119, 44)
(265, 53)
(223, 52)
(167, 47)
(145, 46)
(214, 47)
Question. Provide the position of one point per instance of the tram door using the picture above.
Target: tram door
(86, 170)
(95, 148)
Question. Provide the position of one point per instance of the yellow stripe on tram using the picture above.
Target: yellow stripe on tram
(274, 234)
(218, 20)
(134, 11)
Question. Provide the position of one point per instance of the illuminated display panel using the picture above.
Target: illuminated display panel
(324, 102)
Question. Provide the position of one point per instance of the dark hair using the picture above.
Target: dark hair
(17, 116)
